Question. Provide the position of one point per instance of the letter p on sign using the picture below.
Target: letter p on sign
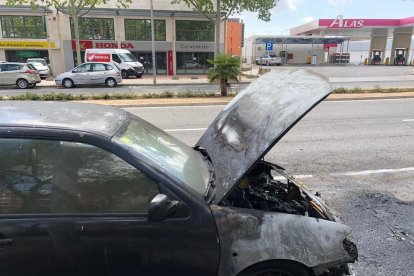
(269, 46)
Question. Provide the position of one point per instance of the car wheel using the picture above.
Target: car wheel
(139, 76)
(124, 74)
(33, 85)
(276, 269)
(68, 83)
(110, 82)
(22, 83)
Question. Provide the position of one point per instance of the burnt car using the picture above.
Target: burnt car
(95, 190)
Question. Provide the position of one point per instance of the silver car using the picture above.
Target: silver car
(41, 65)
(90, 73)
(21, 74)
(269, 59)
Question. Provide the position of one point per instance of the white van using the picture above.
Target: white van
(122, 58)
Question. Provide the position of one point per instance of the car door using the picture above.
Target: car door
(99, 73)
(82, 74)
(70, 208)
(10, 73)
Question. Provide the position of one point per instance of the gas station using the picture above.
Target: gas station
(377, 31)
(327, 41)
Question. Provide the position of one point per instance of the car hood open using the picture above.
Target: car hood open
(255, 120)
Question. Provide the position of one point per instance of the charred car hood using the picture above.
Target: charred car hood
(252, 123)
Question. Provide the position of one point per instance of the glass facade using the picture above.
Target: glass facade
(95, 28)
(191, 30)
(140, 29)
(22, 26)
(193, 63)
(23, 55)
(146, 59)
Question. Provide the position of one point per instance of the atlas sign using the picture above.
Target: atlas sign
(340, 22)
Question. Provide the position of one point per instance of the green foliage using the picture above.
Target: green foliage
(226, 70)
(230, 7)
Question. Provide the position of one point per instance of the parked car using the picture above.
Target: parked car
(23, 75)
(191, 64)
(41, 65)
(269, 59)
(90, 73)
(94, 190)
(123, 58)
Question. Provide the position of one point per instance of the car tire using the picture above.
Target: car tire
(257, 63)
(68, 83)
(33, 85)
(276, 268)
(124, 74)
(22, 83)
(139, 76)
(111, 82)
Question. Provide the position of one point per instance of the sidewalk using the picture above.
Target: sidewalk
(225, 100)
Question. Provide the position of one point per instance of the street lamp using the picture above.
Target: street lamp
(154, 75)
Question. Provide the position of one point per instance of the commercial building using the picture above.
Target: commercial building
(184, 39)
(234, 36)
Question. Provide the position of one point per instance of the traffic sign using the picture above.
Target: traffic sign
(269, 46)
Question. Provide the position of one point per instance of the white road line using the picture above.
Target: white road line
(184, 129)
(367, 172)
(408, 120)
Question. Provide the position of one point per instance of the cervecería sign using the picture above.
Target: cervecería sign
(26, 44)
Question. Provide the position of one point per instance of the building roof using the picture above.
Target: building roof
(99, 119)
(298, 40)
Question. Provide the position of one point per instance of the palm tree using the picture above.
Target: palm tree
(226, 69)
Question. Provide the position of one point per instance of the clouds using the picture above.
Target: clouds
(290, 5)
(338, 2)
(308, 19)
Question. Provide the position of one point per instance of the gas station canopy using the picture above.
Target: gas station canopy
(300, 40)
(355, 28)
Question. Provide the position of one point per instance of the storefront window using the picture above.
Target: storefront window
(190, 30)
(95, 28)
(75, 57)
(140, 29)
(22, 26)
(146, 59)
(23, 55)
(193, 63)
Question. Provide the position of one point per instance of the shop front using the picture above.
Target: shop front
(20, 51)
(192, 57)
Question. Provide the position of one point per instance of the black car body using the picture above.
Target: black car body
(93, 190)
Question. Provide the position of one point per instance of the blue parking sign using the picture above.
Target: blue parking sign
(269, 46)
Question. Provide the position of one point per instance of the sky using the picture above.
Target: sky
(291, 13)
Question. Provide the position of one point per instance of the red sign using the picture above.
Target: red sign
(98, 57)
(170, 63)
(89, 44)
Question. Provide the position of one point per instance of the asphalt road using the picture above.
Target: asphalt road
(358, 154)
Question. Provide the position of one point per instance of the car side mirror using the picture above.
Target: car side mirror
(162, 207)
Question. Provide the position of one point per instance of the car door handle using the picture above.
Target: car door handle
(6, 242)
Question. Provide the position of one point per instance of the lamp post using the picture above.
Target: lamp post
(154, 74)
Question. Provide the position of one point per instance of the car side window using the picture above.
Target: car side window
(11, 67)
(98, 67)
(46, 176)
(116, 58)
(108, 67)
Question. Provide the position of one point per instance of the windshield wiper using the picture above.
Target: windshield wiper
(210, 193)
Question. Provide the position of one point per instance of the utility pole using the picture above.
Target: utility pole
(154, 72)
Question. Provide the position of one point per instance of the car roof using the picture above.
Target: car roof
(99, 119)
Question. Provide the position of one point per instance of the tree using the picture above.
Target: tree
(217, 10)
(226, 70)
(74, 8)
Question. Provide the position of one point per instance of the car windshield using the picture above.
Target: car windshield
(38, 62)
(127, 57)
(162, 150)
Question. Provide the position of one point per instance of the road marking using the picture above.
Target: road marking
(367, 172)
(408, 120)
(184, 129)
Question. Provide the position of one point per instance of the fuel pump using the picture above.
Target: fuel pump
(399, 57)
(376, 56)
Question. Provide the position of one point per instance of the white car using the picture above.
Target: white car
(21, 74)
(269, 59)
(90, 73)
(41, 65)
